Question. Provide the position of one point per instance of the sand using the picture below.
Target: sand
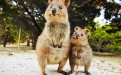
(26, 64)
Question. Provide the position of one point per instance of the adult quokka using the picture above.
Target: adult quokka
(53, 44)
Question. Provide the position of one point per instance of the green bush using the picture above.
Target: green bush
(102, 41)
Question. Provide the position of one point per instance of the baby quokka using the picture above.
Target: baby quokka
(81, 52)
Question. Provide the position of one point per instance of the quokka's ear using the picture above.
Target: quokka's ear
(87, 32)
(76, 28)
(49, 1)
(66, 3)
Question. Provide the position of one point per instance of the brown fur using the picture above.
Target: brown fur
(53, 44)
(81, 52)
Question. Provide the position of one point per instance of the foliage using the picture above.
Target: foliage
(29, 15)
(102, 41)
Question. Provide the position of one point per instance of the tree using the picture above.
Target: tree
(84, 11)
(19, 16)
(102, 41)
(30, 14)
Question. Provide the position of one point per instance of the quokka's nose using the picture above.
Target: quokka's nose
(77, 35)
(53, 11)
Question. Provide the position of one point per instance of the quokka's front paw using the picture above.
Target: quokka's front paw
(75, 54)
(60, 45)
(53, 44)
(79, 56)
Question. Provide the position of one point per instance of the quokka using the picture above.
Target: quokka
(53, 45)
(81, 52)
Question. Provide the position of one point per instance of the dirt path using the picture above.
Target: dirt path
(26, 64)
(15, 47)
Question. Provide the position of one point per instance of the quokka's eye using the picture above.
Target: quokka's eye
(60, 7)
(81, 34)
(75, 32)
(50, 6)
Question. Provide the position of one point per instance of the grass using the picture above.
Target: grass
(114, 58)
(16, 51)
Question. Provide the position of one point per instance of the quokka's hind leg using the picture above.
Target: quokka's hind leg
(87, 66)
(61, 65)
(87, 73)
(42, 63)
(72, 65)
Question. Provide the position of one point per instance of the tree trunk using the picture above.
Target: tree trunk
(5, 41)
(19, 37)
(28, 42)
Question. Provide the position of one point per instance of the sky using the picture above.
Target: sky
(101, 19)
(118, 1)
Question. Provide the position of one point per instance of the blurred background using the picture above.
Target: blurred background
(23, 21)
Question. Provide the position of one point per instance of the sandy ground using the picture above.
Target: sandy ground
(26, 64)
